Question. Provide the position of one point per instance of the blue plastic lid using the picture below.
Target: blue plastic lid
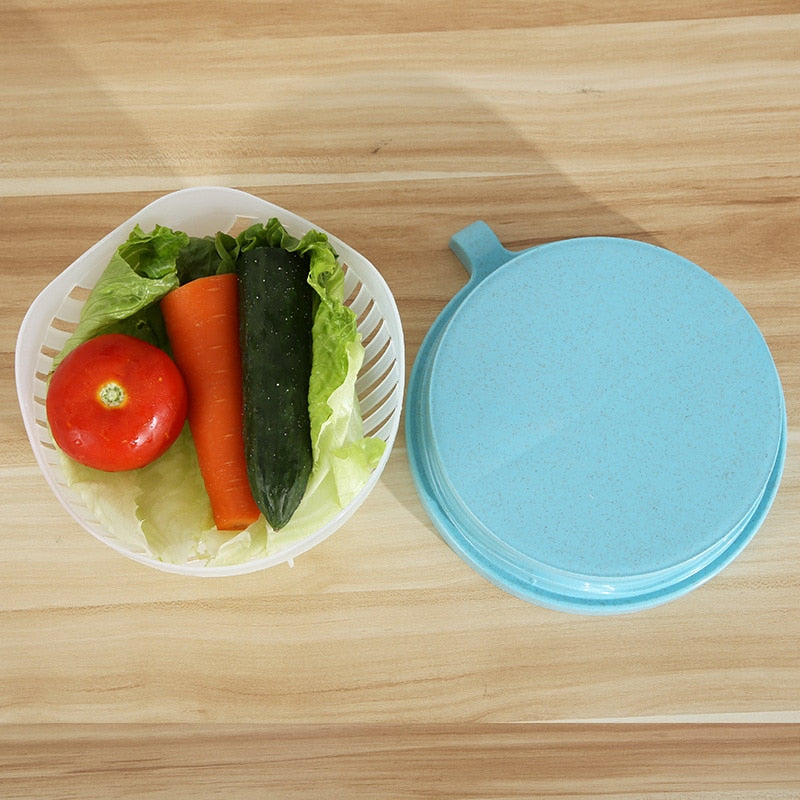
(595, 425)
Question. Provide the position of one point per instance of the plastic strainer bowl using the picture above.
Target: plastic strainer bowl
(203, 211)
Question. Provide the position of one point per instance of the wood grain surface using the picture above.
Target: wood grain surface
(476, 761)
(394, 125)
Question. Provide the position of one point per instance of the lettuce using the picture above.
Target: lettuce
(163, 509)
(124, 299)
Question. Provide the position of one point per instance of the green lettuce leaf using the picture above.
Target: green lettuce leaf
(140, 273)
(205, 256)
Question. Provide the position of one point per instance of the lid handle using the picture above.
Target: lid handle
(479, 250)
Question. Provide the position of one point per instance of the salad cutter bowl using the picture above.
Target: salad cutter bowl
(202, 211)
(595, 425)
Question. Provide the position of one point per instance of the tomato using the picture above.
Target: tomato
(116, 403)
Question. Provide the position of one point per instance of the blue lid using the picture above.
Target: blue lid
(595, 425)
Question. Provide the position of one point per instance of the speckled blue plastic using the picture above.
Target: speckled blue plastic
(595, 425)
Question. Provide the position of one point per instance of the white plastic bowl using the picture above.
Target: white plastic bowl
(203, 211)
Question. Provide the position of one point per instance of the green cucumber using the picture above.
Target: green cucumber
(276, 306)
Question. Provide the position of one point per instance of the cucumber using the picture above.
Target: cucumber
(276, 306)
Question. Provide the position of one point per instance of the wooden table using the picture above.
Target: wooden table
(394, 125)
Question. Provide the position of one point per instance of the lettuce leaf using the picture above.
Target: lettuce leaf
(140, 273)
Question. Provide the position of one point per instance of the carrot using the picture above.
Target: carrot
(202, 319)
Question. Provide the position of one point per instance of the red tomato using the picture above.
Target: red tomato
(116, 403)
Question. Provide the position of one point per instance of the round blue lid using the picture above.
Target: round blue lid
(595, 425)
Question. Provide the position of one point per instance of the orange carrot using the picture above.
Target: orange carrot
(202, 319)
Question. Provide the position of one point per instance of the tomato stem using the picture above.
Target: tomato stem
(112, 395)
